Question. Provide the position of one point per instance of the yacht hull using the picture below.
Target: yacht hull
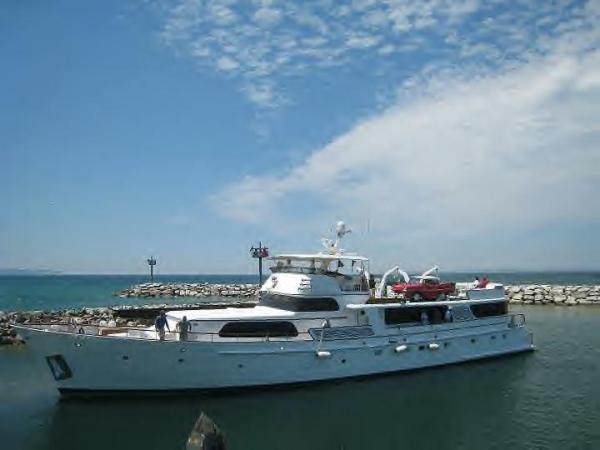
(115, 364)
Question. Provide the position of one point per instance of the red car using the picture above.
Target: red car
(424, 289)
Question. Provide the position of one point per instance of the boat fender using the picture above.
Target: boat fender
(323, 354)
(401, 348)
(433, 346)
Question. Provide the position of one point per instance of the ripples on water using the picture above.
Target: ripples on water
(549, 399)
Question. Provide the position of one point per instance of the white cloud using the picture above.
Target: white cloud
(256, 42)
(468, 154)
(362, 41)
(226, 63)
(263, 95)
(220, 14)
(386, 49)
(270, 40)
(267, 16)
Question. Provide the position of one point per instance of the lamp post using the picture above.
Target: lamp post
(259, 252)
(151, 262)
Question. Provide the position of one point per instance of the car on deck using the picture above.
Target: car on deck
(424, 288)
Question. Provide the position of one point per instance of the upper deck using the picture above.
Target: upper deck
(318, 274)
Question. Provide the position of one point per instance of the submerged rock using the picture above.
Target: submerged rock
(205, 435)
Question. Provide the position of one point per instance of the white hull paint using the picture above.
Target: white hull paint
(105, 363)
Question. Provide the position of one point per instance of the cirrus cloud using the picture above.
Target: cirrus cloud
(271, 40)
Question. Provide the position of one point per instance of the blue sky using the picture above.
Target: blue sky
(462, 133)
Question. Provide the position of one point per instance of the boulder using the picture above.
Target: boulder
(571, 301)
(205, 435)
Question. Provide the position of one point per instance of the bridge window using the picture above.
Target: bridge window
(300, 304)
(489, 309)
(259, 329)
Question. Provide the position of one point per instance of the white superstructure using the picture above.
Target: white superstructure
(317, 319)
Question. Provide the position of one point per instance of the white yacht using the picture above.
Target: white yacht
(317, 319)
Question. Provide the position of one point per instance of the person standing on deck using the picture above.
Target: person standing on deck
(160, 323)
(184, 327)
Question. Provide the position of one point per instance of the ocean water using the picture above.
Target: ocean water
(547, 399)
(77, 291)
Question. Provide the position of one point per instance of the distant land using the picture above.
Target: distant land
(28, 272)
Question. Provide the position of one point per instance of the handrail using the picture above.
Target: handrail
(193, 336)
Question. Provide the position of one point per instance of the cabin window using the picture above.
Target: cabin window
(489, 309)
(300, 304)
(258, 329)
(394, 316)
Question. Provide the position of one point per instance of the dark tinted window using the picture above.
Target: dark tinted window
(301, 304)
(489, 309)
(435, 315)
(258, 329)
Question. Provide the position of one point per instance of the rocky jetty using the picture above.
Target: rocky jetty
(117, 316)
(189, 290)
(571, 295)
(529, 294)
(8, 336)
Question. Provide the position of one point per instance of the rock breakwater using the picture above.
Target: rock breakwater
(189, 290)
(532, 294)
(132, 316)
(569, 295)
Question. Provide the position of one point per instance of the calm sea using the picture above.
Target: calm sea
(548, 399)
(77, 291)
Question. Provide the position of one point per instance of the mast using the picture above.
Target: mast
(259, 252)
(151, 262)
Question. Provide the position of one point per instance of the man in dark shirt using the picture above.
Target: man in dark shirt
(184, 327)
(160, 323)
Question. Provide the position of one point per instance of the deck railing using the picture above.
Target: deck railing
(514, 321)
(152, 335)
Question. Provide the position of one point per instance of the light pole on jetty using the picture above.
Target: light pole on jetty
(151, 262)
(259, 252)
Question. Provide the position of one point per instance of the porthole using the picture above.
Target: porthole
(503, 336)
(446, 344)
(180, 360)
(421, 347)
(125, 357)
(240, 366)
(493, 337)
(473, 340)
(362, 313)
(343, 361)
